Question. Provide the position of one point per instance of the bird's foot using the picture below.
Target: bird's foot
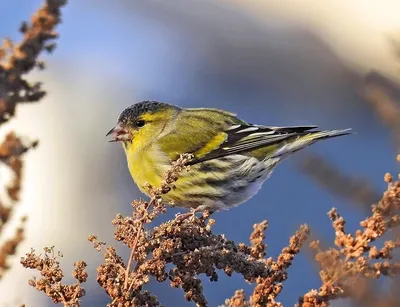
(191, 215)
(188, 215)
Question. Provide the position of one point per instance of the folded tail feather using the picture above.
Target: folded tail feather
(299, 142)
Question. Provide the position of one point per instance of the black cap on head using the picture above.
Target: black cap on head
(137, 109)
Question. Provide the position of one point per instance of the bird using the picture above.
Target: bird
(231, 159)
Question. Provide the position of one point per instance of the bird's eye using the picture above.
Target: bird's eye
(140, 123)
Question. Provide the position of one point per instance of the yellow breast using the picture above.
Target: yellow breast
(147, 165)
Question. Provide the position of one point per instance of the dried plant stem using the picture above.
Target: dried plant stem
(63, 298)
(133, 249)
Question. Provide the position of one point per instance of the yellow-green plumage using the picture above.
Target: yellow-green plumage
(231, 157)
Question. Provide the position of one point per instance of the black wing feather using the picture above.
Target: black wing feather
(244, 138)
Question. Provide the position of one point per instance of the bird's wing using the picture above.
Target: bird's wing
(244, 138)
(211, 134)
(197, 131)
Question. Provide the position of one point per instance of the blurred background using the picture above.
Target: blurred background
(287, 62)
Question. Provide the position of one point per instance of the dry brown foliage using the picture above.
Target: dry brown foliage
(48, 264)
(344, 269)
(189, 245)
(186, 243)
(18, 59)
(15, 61)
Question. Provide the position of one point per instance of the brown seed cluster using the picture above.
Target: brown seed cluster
(237, 300)
(346, 270)
(15, 61)
(9, 247)
(11, 151)
(268, 287)
(50, 282)
(182, 249)
(257, 240)
(19, 59)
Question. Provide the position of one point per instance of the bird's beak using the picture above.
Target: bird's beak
(119, 134)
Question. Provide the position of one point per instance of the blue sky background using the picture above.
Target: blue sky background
(199, 55)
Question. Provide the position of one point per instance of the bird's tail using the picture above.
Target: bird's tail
(307, 138)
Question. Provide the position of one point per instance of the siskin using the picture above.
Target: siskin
(231, 158)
